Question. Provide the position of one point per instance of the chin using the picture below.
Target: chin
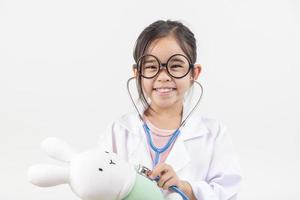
(164, 104)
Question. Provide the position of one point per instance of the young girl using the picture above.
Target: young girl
(197, 157)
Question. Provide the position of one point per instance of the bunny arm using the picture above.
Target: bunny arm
(45, 175)
(58, 149)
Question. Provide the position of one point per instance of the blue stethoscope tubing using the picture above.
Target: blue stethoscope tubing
(172, 139)
(158, 151)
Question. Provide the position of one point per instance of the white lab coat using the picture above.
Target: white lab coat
(202, 154)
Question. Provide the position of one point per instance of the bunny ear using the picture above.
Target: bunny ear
(58, 149)
(48, 175)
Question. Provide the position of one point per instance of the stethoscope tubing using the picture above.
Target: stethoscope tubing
(172, 139)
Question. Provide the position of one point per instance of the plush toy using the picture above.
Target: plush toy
(95, 174)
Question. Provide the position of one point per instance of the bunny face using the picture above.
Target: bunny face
(97, 173)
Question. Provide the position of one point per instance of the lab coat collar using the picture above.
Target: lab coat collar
(194, 127)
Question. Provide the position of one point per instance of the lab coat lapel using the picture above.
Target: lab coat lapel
(138, 149)
(178, 157)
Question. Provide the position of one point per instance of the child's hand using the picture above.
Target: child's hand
(167, 176)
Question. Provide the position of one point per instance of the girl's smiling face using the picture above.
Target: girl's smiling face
(165, 91)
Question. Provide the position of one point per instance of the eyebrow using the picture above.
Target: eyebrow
(149, 61)
(177, 60)
(152, 60)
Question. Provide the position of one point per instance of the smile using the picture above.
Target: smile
(164, 90)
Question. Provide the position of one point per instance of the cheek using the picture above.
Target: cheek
(184, 84)
(147, 85)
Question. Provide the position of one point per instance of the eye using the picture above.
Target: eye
(100, 169)
(106, 152)
(111, 162)
(151, 67)
(176, 66)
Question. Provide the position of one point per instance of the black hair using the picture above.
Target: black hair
(160, 29)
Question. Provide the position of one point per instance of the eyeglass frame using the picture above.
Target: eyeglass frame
(162, 65)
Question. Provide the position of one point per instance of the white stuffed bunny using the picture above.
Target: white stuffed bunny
(95, 174)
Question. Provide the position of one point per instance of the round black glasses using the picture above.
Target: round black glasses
(177, 66)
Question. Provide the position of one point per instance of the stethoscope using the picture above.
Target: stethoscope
(172, 139)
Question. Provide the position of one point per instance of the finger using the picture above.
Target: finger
(168, 181)
(159, 170)
(172, 181)
(166, 176)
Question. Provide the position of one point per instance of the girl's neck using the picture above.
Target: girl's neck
(165, 118)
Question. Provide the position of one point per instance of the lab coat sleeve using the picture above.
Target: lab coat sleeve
(224, 177)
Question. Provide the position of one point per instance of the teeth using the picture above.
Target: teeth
(164, 89)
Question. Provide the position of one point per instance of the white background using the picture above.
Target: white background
(64, 66)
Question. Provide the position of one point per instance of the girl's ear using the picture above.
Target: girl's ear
(134, 70)
(48, 175)
(197, 70)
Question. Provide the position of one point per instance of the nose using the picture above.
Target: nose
(163, 75)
